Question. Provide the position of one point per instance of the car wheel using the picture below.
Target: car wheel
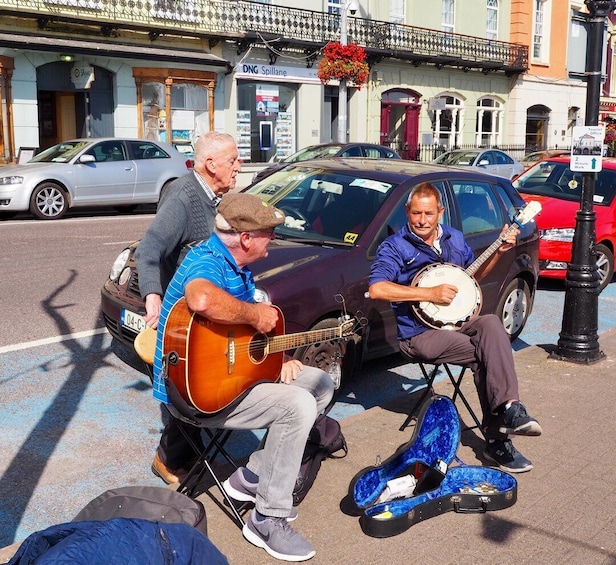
(336, 357)
(48, 201)
(514, 307)
(163, 190)
(605, 265)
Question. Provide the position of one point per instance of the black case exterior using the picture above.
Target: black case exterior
(156, 504)
(433, 445)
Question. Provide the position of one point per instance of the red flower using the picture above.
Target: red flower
(344, 62)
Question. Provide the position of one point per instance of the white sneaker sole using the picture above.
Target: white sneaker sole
(257, 540)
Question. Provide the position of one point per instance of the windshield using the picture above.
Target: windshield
(557, 180)
(61, 153)
(323, 206)
(316, 152)
(457, 158)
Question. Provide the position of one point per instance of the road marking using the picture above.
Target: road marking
(49, 340)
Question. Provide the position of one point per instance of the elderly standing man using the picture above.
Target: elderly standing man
(185, 217)
(217, 284)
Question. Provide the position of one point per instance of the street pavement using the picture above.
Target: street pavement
(79, 420)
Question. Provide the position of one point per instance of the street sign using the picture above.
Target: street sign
(587, 148)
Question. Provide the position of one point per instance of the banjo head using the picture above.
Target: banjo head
(465, 306)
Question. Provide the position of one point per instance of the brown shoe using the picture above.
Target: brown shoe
(166, 474)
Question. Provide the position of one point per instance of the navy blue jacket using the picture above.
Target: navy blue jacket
(119, 540)
(402, 255)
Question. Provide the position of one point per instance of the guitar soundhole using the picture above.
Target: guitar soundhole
(257, 350)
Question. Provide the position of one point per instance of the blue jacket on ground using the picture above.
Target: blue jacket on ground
(119, 541)
(402, 255)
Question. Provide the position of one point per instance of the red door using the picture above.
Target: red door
(400, 122)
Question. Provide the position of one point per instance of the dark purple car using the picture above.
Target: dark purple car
(338, 212)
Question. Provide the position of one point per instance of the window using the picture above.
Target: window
(333, 7)
(396, 11)
(266, 120)
(492, 19)
(488, 125)
(146, 150)
(479, 209)
(448, 16)
(174, 109)
(449, 123)
(539, 29)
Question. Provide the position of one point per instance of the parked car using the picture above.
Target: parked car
(531, 158)
(338, 212)
(90, 172)
(493, 161)
(558, 189)
(326, 150)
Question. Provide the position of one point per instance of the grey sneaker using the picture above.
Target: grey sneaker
(515, 420)
(278, 538)
(504, 454)
(239, 487)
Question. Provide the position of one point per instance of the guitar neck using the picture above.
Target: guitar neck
(474, 266)
(277, 344)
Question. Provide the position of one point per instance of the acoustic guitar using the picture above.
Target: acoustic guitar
(212, 365)
(467, 302)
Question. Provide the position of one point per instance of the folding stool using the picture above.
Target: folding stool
(145, 344)
(456, 381)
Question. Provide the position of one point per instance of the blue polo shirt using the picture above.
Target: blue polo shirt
(211, 261)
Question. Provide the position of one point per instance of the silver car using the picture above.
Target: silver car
(493, 161)
(90, 172)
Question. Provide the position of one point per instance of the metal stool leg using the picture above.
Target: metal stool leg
(429, 378)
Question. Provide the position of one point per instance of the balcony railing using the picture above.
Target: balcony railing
(244, 22)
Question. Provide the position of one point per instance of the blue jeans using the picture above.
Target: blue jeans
(288, 413)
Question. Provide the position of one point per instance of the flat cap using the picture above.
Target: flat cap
(247, 212)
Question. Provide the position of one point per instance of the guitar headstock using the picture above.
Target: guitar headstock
(527, 213)
(347, 326)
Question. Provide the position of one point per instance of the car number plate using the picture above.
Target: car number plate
(133, 321)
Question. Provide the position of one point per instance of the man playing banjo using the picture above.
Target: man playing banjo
(481, 342)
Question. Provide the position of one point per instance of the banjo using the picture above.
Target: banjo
(467, 302)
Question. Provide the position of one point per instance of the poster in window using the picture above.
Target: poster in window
(267, 100)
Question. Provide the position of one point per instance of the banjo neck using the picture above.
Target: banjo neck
(474, 266)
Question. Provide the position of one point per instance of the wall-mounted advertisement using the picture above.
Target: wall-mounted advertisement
(266, 98)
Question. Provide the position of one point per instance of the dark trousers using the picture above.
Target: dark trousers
(174, 450)
(483, 345)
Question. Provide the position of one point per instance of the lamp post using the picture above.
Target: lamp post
(341, 136)
(579, 341)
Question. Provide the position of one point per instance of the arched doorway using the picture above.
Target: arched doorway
(537, 118)
(400, 121)
(67, 109)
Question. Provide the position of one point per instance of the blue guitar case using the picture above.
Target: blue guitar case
(439, 486)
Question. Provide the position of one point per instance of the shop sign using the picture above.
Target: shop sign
(82, 76)
(276, 73)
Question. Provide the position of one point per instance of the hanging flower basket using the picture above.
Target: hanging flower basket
(610, 139)
(344, 62)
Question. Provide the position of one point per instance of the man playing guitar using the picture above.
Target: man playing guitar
(218, 287)
(481, 342)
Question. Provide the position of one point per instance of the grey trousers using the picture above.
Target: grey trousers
(288, 413)
(483, 345)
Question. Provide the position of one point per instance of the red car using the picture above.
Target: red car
(558, 189)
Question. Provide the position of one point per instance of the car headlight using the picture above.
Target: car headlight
(12, 180)
(118, 264)
(557, 234)
(261, 295)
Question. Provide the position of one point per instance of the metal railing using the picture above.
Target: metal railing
(288, 27)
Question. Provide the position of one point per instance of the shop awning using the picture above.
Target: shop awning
(110, 49)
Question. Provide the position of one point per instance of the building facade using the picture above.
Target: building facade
(468, 72)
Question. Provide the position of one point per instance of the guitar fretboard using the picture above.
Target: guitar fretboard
(277, 344)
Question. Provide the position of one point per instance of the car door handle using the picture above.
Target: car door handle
(128, 168)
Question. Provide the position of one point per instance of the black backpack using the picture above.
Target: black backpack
(325, 440)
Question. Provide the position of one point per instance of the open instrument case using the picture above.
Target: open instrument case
(423, 466)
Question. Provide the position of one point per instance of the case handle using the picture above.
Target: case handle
(474, 510)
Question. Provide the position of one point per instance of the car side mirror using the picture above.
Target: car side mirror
(87, 158)
(483, 162)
